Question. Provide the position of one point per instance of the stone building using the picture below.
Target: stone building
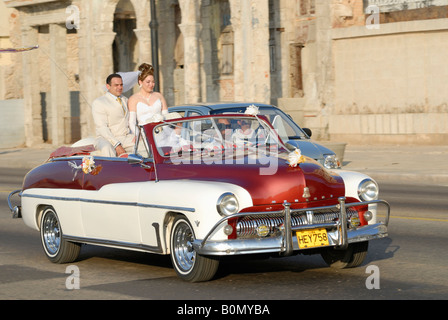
(389, 71)
(351, 70)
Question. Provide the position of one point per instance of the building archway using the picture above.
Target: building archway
(124, 47)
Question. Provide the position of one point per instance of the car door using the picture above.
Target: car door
(110, 206)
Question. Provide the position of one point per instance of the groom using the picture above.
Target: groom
(111, 117)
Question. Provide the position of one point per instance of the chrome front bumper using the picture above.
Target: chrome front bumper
(339, 236)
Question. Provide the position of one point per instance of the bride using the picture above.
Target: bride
(146, 105)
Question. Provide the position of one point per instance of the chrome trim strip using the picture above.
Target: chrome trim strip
(111, 243)
(80, 157)
(315, 226)
(119, 203)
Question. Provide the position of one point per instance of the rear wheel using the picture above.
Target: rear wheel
(352, 257)
(56, 248)
(189, 265)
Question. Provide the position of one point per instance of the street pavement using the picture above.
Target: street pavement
(397, 164)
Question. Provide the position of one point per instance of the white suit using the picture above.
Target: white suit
(111, 121)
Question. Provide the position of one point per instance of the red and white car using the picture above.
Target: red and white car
(198, 189)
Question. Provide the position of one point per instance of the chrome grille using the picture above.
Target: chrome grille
(247, 227)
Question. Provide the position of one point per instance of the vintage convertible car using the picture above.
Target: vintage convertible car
(198, 189)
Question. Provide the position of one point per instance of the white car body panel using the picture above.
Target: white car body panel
(98, 215)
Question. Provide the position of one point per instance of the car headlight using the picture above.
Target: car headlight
(331, 161)
(368, 190)
(227, 204)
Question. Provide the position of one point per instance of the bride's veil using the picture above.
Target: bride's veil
(130, 79)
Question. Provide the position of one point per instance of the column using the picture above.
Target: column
(31, 90)
(250, 21)
(191, 30)
(104, 65)
(241, 52)
(87, 69)
(261, 73)
(144, 45)
(60, 97)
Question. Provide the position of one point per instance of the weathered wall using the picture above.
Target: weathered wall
(390, 83)
(12, 124)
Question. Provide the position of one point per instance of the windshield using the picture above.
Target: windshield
(225, 136)
(282, 123)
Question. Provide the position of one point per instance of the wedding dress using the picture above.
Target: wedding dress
(145, 114)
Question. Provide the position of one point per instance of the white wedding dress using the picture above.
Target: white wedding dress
(145, 114)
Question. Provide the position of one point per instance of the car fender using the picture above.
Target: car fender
(352, 179)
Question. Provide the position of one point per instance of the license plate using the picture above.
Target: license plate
(312, 238)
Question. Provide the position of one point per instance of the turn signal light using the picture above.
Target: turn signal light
(228, 229)
(368, 215)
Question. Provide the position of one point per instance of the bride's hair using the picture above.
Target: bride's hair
(145, 70)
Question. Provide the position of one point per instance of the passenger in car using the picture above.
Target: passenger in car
(224, 138)
(245, 134)
(111, 117)
(170, 135)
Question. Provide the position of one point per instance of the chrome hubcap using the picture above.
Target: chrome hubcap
(183, 247)
(51, 233)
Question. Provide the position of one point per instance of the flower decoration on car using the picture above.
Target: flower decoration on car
(252, 110)
(295, 157)
(88, 164)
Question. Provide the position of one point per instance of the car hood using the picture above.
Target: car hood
(311, 149)
(287, 184)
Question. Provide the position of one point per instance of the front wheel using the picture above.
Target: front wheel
(189, 265)
(56, 248)
(351, 257)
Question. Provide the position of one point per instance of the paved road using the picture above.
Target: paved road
(411, 263)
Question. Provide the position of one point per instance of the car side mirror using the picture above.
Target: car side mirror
(289, 146)
(307, 131)
(137, 159)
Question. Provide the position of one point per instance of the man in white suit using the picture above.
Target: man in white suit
(111, 117)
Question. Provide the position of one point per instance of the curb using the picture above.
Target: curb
(407, 178)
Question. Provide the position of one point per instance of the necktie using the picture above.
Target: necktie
(119, 101)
